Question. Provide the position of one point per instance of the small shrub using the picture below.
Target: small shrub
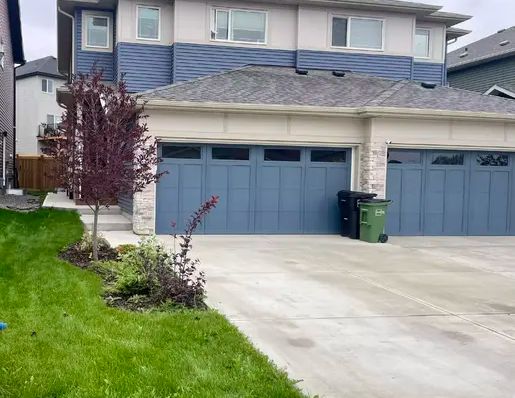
(86, 243)
(149, 275)
(124, 249)
(81, 253)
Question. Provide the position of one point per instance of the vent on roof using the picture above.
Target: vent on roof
(500, 31)
(504, 42)
(464, 53)
(338, 73)
(302, 72)
(428, 85)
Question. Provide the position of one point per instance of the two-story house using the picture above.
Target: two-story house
(38, 112)
(486, 66)
(276, 106)
(11, 53)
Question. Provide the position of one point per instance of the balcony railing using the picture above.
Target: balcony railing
(48, 131)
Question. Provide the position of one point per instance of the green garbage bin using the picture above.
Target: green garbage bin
(373, 220)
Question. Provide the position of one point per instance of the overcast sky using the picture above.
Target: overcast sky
(39, 22)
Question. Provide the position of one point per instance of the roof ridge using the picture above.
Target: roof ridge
(387, 93)
(158, 89)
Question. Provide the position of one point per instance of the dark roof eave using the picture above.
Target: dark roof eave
(54, 76)
(484, 60)
(16, 32)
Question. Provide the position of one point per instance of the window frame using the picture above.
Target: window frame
(229, 25)
(55, 120)
(85, 36)
(138, 8)
(349, 24)
(47, 80)
(429, 43)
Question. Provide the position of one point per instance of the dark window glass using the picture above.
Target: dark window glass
(181, 152)
(340, 32)
(404, 157)
(329, 156)
(282, 155)
(448, 159)
(492, 159)
(230, 153)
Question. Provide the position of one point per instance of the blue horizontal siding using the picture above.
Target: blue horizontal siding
(85, 60)
(429, 72)
(144, 66)
(388, 66)
(196, 60)
(126, 203)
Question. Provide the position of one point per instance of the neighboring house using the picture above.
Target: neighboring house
(277, 107)
(486, 66)
(38, 112)
(11, 53)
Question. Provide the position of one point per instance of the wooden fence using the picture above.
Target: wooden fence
(36, 172)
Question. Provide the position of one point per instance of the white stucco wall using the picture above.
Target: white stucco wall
(32, 108)
(126, 21)
(436, 42)
(193, 22)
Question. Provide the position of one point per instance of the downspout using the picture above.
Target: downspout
(60, 10)
(15, 170)
(4, 139)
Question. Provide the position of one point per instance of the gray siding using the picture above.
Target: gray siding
(6, 94)
(481, 77)
(125, 202)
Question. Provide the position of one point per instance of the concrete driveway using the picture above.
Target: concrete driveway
(420, 317)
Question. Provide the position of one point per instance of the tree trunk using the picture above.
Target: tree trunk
(94, 235)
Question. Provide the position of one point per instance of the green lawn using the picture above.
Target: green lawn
(81, 348)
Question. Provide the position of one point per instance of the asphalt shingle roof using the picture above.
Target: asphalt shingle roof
(265, 85)
(483, 50)
(43, 67)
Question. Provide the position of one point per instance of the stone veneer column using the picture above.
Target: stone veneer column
(143, 211)
(373, 162)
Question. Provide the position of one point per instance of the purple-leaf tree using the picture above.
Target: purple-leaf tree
(104, 151)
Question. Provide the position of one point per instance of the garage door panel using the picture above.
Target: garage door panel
(393, 193)
(261, 190)
(464, 193)
(411, 202)
(232, 183)
(455, 202)
(499, 197)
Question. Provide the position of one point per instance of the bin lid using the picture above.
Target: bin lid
(356, 194)
(375, 201)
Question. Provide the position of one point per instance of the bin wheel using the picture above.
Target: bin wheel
(383, 238)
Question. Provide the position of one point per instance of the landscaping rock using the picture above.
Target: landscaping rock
(24, 203)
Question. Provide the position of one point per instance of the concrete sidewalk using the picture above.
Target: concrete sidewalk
(419, 317)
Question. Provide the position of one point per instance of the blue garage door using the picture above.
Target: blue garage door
(263, 190)
(450, 193)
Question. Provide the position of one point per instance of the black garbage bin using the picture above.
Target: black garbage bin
(349, 211)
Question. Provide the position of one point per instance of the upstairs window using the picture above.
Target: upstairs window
(47, 86)
(149, 23)
(422, 40)
(360, 33)
(239, 26)
(97, 31)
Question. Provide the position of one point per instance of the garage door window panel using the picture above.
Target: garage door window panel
(404, 157)
(492, 160)
(324, 156)
(282, 155)
(228, 153)
(181, 152)
(448, 159)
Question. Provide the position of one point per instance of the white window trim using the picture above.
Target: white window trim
(140, 6)
(99, 14)
(53, 85)
(429, 43)
(229, 11)
(500, 89)
(348, 47)
(55, 119)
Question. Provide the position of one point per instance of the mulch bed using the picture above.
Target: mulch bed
(81, 259)
(21, 203)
